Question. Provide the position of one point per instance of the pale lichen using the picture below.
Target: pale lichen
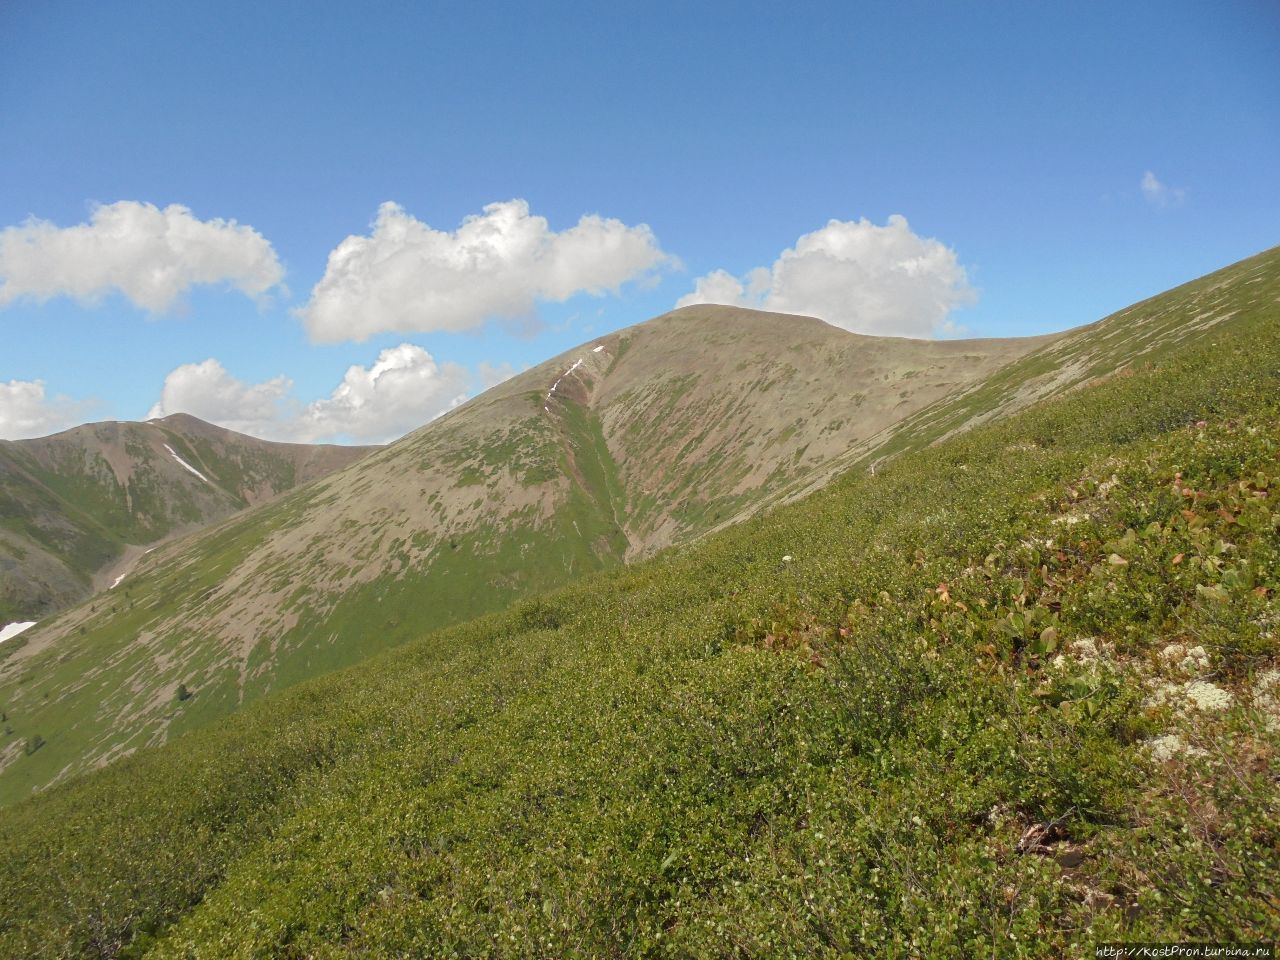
(1169, 746)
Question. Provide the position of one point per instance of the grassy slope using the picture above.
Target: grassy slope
(47, 553)
(71, 503)
(109, 685)
(721, 753)
(660, 434)
(1145, 331)
(711, 411)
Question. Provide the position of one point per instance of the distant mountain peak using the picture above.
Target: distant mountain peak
(73, 504)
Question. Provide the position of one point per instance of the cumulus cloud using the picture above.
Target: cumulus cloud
(403, 389)
(26, 410)
(151, 256)
(406, 276)
(1160, 194)
(206, 390)
(853, 274)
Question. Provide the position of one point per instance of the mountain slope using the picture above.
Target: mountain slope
(644, 438)
(647, 437)
(954, 708)
(73, 504)
(709, 411)
(1145, 331)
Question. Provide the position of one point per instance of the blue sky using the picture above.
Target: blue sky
(1015, 139)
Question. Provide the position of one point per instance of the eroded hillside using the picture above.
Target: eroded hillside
(638, 440)
(78, 508)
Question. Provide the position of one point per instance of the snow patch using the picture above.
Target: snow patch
(597, 349)
(10, 630)
(184, 464)
(116, 582)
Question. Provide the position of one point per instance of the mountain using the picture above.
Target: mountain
(78, 508)
(645, 438)
(641, 439)
(1016, 692)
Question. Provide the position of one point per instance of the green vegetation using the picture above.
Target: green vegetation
(71, 504)
(105, 692)
(657, 438)
(1013, 695)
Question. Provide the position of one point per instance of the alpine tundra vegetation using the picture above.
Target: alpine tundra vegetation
(651, 436)
(79, 509)
(1014, 693)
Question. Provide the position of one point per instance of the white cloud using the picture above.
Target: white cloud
(25, 410)
(1160, 194)
(206, 390)
(149, 255)
(406, 276)
(403, 389)
(853, 274)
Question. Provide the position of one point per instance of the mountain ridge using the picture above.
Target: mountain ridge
(1014, 693)
(77, 506)
(644, 438)
(607, 453)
